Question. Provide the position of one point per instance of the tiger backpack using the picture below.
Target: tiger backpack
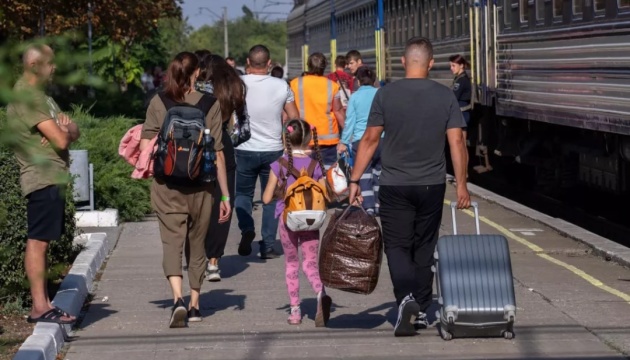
(305, 200)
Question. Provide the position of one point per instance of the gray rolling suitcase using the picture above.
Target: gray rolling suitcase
(474, 284)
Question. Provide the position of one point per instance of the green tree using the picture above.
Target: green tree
(243, 33)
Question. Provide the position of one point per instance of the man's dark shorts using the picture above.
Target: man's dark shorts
(45, 212)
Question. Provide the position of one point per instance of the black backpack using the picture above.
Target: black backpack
(179, 158)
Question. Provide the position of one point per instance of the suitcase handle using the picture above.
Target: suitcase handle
(476, 210)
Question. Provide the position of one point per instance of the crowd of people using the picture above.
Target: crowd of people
(396, 133)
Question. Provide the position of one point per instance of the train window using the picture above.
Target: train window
(466, 18)
(557, 8)
(623, 3)
(434, 19)
(524, 9)
(540, 10)
(507, 12)
(442, 19)
(600, 5)
(577, 7)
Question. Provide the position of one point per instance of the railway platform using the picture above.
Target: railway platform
(571, 304)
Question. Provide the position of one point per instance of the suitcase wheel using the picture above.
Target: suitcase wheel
(445, 334)
(508, 335)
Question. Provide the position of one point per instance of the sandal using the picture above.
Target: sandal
(51, 316)
(63, 312)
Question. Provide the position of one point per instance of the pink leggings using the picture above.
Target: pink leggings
(309, 241)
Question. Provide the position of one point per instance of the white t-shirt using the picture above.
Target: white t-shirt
(266, 98)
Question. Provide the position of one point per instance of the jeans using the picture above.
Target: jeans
(411, 217)
(369, 180)
(251, 166)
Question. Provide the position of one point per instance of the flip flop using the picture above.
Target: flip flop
(63, 312)
(51, 316)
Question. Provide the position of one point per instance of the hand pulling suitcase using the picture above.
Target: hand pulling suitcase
(474, 284)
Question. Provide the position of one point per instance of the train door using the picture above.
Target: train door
(483, 36)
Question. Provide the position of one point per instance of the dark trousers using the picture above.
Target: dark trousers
(252, 166)
(218, 233)
(411, 216)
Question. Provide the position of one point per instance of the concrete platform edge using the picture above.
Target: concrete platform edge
(48, 339)
(601, 246)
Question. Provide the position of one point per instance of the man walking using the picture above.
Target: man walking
(415, 113)
(42, 133)
(267, 97)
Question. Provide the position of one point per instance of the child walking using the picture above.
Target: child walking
(297, 136)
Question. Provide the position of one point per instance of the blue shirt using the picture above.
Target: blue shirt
(357, 114)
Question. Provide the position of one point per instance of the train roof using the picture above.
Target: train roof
(296, 12)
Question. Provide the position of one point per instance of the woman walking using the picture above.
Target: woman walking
(184, 211)
(218, 78)
(356, 122)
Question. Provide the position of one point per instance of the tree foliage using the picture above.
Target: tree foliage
(243, 33)
(118, 19)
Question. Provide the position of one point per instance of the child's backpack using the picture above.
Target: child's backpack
(305, 200)
(179, 158)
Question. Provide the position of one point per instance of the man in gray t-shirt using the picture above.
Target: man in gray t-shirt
(415, 113)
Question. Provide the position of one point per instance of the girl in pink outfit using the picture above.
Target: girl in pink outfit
(297, 136)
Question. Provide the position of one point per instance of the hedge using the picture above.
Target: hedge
(13, 232)
(113, 186)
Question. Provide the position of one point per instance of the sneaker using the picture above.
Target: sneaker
(295, 318)
(245, 247)
(213, 273)
(324, 303)
(269, 254)
(178, 315)
(421, 321)
(194, 315)
(407, 311)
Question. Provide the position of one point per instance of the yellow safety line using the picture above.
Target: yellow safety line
(540, 252)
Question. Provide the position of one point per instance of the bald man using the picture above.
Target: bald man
(43, 135)
(266, 99)
(415, 113)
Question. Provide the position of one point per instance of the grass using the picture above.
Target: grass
(13, 331)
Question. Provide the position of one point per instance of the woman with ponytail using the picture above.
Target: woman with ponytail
(297, 137)
(184, 211)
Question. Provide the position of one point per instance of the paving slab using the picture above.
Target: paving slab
(559, 315)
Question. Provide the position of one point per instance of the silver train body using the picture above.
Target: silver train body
(551, 77)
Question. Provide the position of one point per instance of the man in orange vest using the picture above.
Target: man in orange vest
(319, 103)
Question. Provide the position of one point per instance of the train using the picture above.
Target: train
(551, 78)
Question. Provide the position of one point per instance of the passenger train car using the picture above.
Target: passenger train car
(551, 77)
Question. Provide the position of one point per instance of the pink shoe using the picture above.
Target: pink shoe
(295, 318)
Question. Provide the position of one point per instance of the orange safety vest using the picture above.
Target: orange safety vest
(314, 96)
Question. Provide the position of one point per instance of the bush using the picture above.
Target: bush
(113, 185)
(13, 232)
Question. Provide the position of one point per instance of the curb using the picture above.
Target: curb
(48, 339)
(601, 246)
(97, 218)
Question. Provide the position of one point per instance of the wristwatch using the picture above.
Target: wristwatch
(353, 181)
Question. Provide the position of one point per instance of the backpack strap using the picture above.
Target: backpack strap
(168, 102)
(206, 103)
(311, 168)
(284, 163)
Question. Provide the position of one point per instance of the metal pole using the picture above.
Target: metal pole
(91, 90)
(226, 44)
(333, 35)
(41, 21)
